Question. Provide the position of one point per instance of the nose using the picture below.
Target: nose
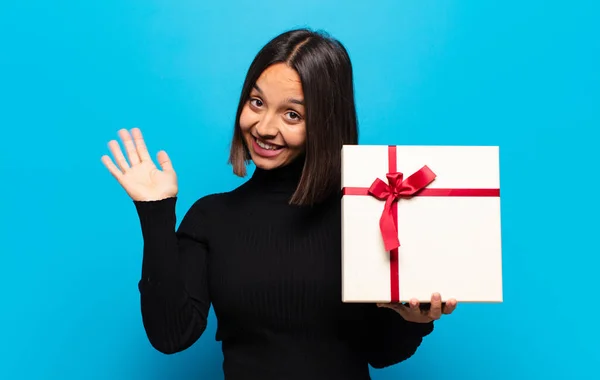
(267, 127)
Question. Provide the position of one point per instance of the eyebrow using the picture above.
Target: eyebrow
(288, 100)
(295, 101)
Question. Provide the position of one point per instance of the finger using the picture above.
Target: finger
(140, 144)
(112, 168)
(436, 306)
(450, 306)
(415, 305)
(420, 309)
(115, 149)
(134, 159)
(164, 161)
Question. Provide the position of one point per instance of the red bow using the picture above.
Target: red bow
(392, 191)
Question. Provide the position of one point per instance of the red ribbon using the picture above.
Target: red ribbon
(397, 187)
(391, 192)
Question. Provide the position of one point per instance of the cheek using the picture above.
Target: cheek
(296, 137)
(247, 119)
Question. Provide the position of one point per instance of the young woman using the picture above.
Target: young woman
(266, 255)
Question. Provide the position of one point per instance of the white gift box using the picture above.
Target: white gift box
(449, 230)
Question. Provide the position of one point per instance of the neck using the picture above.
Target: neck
(283, 179)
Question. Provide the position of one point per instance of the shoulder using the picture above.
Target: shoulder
(205, 216)
(207, 205)
(216, 203)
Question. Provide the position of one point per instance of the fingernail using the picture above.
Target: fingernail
(436, 297)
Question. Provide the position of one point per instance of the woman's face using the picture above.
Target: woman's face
(273, 119)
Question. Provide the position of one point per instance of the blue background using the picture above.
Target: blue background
(522, 75)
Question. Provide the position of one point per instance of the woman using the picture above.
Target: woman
(266, 255)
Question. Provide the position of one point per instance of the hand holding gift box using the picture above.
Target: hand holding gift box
(415, 312)
(418, 220)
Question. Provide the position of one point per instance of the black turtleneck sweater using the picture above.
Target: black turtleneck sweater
(272, 273)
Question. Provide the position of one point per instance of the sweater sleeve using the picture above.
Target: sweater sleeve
(173, 289)
(391, 339)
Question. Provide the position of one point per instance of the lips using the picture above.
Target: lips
(266, 150)
(267, 146)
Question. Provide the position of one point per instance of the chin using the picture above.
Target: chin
(267, 159)
(265, 163)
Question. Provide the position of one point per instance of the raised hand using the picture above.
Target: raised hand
(137, 173)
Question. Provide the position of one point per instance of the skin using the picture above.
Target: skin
(413, 312)
(274, 114)
(135, 170)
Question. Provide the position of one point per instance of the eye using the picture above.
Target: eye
(256, 102)
(294, 116)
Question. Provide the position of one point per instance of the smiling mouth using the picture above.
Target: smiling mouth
(267, 146)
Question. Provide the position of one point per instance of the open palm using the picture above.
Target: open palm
(137, 173)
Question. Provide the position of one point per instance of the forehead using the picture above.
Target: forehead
(280, 79)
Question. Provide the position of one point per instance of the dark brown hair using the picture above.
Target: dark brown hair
(326, 75)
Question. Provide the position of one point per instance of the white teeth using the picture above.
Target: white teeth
(265, 146)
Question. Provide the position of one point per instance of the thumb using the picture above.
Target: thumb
(164, 161)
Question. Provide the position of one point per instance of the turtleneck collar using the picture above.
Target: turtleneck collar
(283, 179)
